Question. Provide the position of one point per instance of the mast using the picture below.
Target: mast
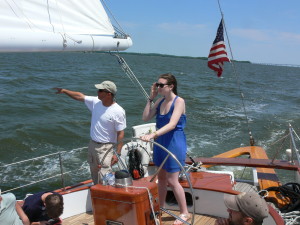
(252, 142)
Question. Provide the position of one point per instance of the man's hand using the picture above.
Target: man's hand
(58, 90)
(114, 160)
(73, 94)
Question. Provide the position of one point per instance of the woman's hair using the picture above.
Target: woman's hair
(54, 205)
(170, 80)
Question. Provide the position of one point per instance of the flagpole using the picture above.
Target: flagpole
(236, 76)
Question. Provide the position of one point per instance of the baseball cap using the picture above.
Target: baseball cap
(250, 204)
(107, 85)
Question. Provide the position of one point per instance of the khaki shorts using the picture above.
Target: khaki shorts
(99, 155)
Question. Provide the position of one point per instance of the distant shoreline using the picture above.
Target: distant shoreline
(205, 58)
(162, 55)
(174, 56)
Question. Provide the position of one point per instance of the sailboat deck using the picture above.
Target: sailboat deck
(87, 219)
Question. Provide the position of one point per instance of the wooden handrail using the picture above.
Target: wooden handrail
(261, 163)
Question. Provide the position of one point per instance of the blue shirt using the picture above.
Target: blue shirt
(35, 208)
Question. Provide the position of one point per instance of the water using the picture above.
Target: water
(35, 121)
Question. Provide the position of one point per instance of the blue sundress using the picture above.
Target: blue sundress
(174, 140)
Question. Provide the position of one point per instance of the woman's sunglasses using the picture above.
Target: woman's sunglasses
(160, 85)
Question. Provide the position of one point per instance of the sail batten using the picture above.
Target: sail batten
(57, 25)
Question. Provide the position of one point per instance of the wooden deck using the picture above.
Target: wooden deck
(198, 219)
(81, 219)
(207, 181)
(243, 187)
(87, 219)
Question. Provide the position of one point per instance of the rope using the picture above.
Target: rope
(244, 169)
(237, 78)
(293, 143)
(47, 178)
(296, 134)
(280, 147)
(291, 193)
(130, 74)
(290, 132)
(49, 16)
(135, 164)
(64, 34)
(39, 181)
(120, 30)
(44, 156)
(291, 218)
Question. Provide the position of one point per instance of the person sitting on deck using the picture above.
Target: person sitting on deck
(44, 208)
(244, 209)
(11, 212)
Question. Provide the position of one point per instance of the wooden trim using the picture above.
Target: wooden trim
(257, 158)
(75, 187)
(278, 219)
(267, 176)
(262, 163)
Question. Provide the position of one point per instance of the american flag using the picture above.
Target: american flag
(218, 55)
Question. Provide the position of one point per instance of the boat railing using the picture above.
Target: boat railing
(292, 152)
(52, 166)
(294, 147)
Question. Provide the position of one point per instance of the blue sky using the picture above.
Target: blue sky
(260, 31)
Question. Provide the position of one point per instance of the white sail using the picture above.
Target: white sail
(57, 25)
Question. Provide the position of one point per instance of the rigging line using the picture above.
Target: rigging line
(93, 48)
(293, 143)
(280, 147)
(237, 77)
(103, 2)
(63, 34)
(77, 41)
(244, 169)
(27, 21)
(43, 156)
(118, 30)
(49, 16)
(38, 181)
(295, 134)
(6, 165)
(130, 74)
(62, 25)
(284, 137)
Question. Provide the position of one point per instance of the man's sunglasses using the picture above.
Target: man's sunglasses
(103, 90)
(160, 85)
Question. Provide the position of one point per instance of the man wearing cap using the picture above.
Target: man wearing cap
(107, 126)
(244, 209)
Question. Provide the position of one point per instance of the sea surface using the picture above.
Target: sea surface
(34, 121)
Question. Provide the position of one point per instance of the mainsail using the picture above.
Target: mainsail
(57, 25)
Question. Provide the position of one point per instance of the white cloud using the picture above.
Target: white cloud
(180, 27)
(266, 35)
(256, 35)
(289, 36)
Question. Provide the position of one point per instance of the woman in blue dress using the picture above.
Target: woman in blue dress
(170, 122)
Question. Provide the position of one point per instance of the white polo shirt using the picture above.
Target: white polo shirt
(106, 121)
